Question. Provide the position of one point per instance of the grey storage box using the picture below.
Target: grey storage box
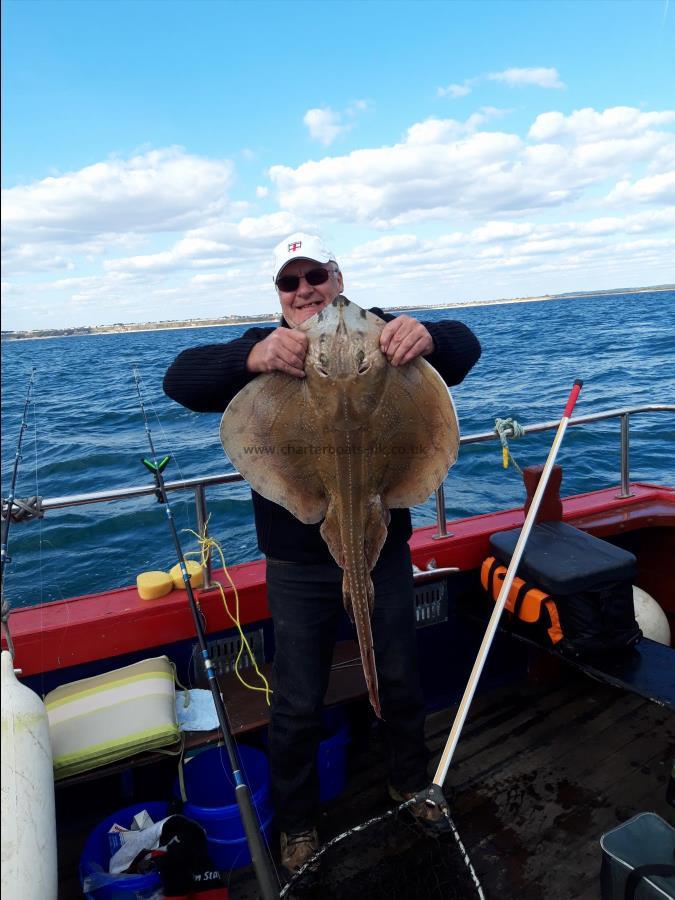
(638, 860)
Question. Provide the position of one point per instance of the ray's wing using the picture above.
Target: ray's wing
(268, 435)
(419, 434)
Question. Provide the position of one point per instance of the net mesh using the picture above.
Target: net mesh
(388, 857)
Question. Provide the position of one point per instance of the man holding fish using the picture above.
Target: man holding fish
(339, 425)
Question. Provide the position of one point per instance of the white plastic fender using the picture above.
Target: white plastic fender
(29, 869)
(650, 617)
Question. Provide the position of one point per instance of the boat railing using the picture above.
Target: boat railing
(199, 485)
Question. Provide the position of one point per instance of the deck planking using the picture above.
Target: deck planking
(542, 770)
(532, 812)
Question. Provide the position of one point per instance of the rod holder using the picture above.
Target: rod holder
(440, 515)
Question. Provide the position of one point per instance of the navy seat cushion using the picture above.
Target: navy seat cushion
(563, 560)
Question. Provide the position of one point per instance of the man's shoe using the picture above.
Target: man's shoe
(429, 817)
(297, 848)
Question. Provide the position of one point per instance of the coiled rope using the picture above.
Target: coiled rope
(505, 429)
(30, 508)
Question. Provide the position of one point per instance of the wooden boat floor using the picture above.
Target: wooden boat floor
(541, 772)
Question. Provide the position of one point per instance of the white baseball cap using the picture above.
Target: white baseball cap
(300, 246)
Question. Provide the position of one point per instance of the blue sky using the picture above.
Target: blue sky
(155, 151)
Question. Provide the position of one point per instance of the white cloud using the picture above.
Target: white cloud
(446, 169)
(454, 90)
(324, 124)
(386, 246)
(433, 131)
(220, 245)
(431, 168)
(484, 114)
(268, 226)
(652, 189)
(501, 258)
(34, 253)
(161, 190)
(501, 231)
(618, 122)
(217, 277)
(538, 77)
(358, 106)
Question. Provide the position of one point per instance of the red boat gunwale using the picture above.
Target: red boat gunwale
(112, 623)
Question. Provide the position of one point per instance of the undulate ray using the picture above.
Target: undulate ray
(353, 439)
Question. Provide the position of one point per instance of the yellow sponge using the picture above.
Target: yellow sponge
(152, 585)
(194, 571)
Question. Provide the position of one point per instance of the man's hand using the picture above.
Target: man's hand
(283, 351)
(404, 339)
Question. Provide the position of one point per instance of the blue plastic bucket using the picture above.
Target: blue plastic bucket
(332, 755)
(211, 798)
(95, 860)
(229, 855)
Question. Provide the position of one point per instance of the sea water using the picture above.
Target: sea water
(86, 432)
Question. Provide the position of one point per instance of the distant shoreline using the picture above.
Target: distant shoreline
(271, 318)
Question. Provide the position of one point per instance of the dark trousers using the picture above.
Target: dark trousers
(306, 603)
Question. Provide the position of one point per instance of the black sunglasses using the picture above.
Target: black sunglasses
(290, 283)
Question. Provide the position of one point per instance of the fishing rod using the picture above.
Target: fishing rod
(259, 857)
(7, 511)
(434, 793)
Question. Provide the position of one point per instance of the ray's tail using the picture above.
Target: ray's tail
(358, 602)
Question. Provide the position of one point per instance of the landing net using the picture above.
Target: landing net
(388, 858)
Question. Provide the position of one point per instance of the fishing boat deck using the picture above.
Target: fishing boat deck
(543, 769)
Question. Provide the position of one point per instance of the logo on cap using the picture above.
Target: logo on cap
(294, 246)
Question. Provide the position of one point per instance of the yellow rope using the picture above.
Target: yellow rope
(206, 545)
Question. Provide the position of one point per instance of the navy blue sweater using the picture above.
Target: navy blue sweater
(206, 378)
